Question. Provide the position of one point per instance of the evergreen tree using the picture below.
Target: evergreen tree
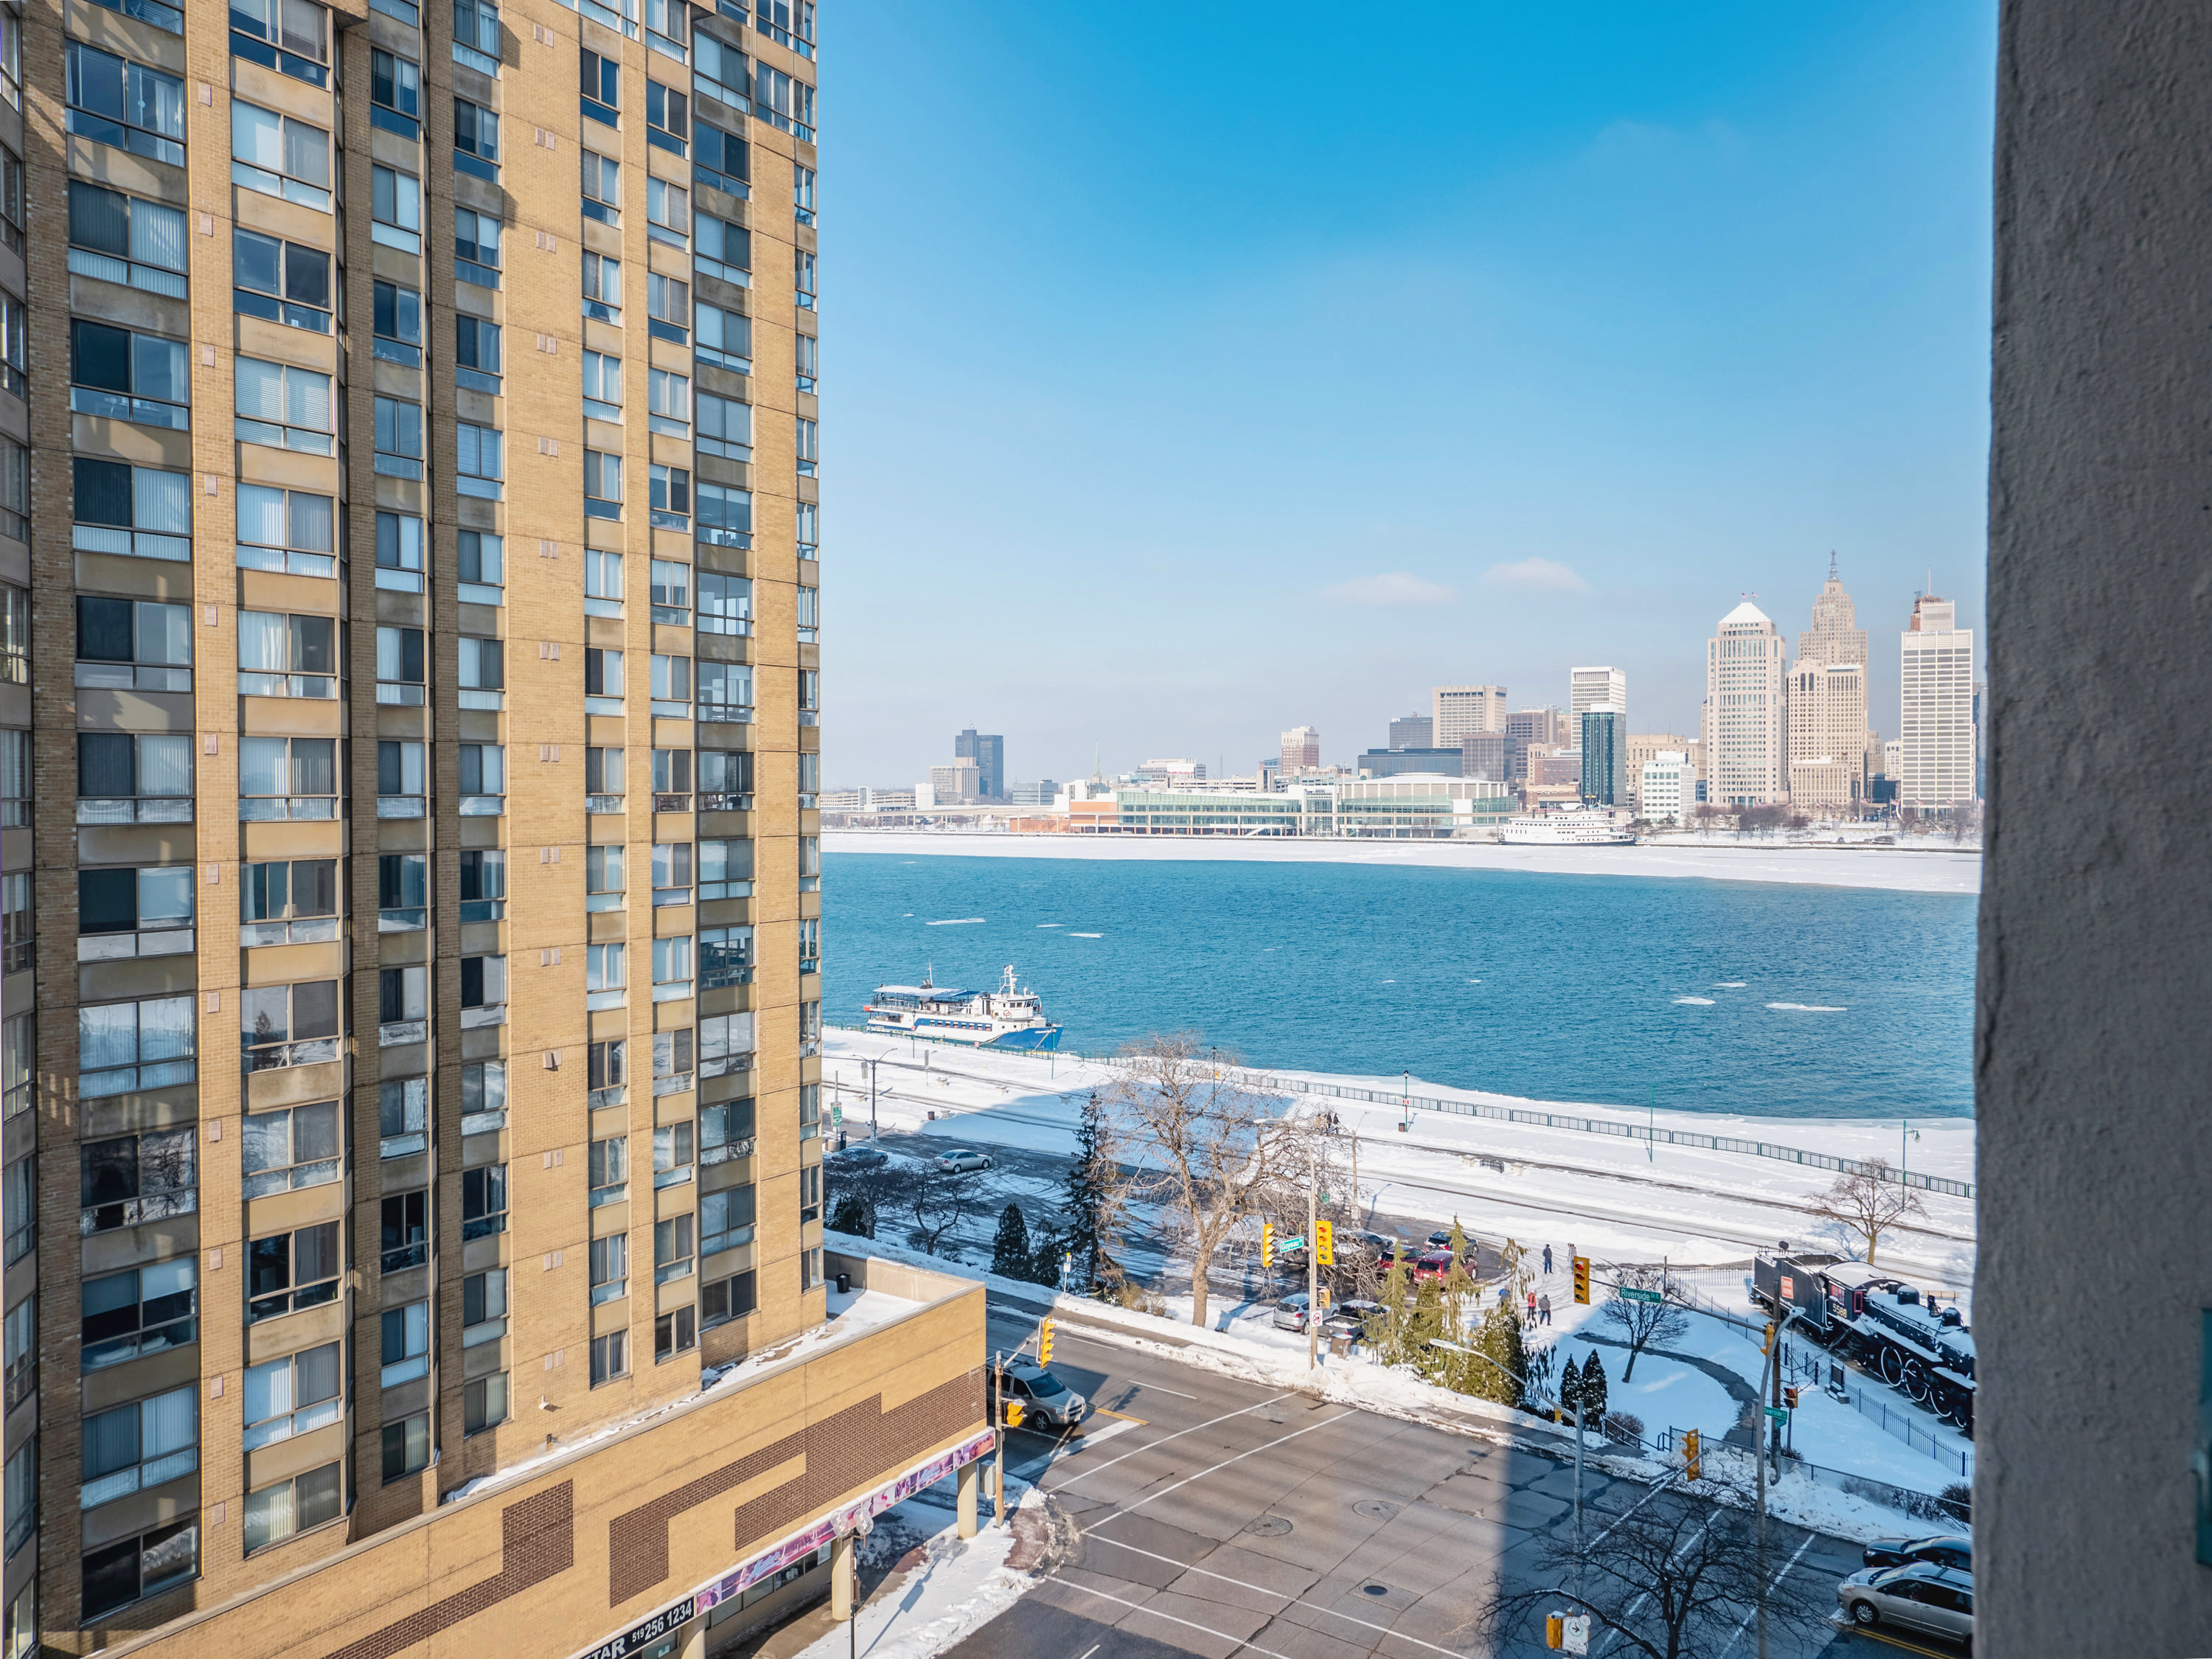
(1593, 1392)
(1009, 1249)
(1497, 1375)
(853, 1216)
(1087, 1206)
(1571, 1389)
(1045, 1257)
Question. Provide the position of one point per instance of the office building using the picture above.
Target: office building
(1605, 757)
(1485, 755)
(1551, 767)
(1593, 688)
(1643, 745)
(1172, 773)
(1301, 749)
(1828, 736)
(1667, 787)
(1835, 636)
(1745, 733)
(1524, 727)
(956, 784)
(1040, 793)
(421, 1010)
(988, 751)
(1404, 763)
(1413, 731)
(1457, 710)
(1424, 808)
(1936, 733)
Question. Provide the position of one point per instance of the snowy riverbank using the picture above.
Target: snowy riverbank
(1898, 869)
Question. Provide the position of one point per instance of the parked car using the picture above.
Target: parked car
(1043, 1394)
(1949, 1549)
(959, 1162)
(1350, 1319)
(860, 1157)
(1291, 1313)
(1919, 1596)
(1440, 1239)
(1434, 1264)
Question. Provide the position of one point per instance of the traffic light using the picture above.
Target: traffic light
(1044, 1343)
(1013, 1414)
(1266, 1244)
(1690, 1468)
(1582, 1279)
(1789, 1396)
(1766, 1342)
(1555, 1628)
(1324, 1242)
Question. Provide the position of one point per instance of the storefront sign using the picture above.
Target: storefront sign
(639, 1637)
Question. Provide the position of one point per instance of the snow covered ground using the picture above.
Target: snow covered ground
(1935, 869)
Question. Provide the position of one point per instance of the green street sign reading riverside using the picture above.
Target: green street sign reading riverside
(1631, 1293)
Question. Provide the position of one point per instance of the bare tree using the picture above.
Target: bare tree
(1641, 1323)
(1208, 1152)
(1867, 1203)
(1667, 1579)
(937, 1199)
(1965, 820)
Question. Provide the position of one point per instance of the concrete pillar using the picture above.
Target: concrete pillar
(841, 1577)
(970, 1478)
(694, 1644)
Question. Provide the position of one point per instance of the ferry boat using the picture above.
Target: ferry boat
(1586, 829)
(1008, 1018)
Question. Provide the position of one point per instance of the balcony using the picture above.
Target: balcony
(149, 942)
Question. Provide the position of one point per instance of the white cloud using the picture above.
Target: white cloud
(1535, 576)
(1397, 589)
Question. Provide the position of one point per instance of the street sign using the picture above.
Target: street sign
(1284, 1246)
(1780, 1413)
(1574, 1633)
(1631, 1293)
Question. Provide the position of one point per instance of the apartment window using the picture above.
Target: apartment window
(803, 280)
(289, 1024)
(290, 1507)
(809, 352)
(809, 1028)
(483, 1307)
(603, 778)
(726, 784)
(126, 1048)
(672, 1251)
(289, 36)
(725, 1044)
(395, 94)
(291, 1396)
(12, 192)
(125, 376)
(810, 1188)
(667, 213)
(602, 288)
(810, 1269)
(783, 102)
(610, 1158)
(668, 308)
(482, 673)
(483, 568)
(722, 162)
(399, 438)
(725, 871)
(726, 1299)
(280, 155)
(18, 1204)
(294, 1148)
(601, 79)
(605, 975)
(721, 70)
(673, 1062)
(132, 1447)
(476, 247)
(403, 1003)
(287, 530)
(22, 1352)
(17, 923)
(483, 779)
(726, 1219)
(19, 1040)
(15, 635)
(404, 1341)
(407, 1446)
(396, 325)
(725, 338)
(395, 209)
(603, 878)
(671, 969)
(287, 778)
(671, 685)
(480, 460)
(810, 615)
(725, 692)
(603, 392)
(483, 986)
(402, 1116)
(112, 100)
(665, 22)
(483, 1403)
(726, 954)
(476, 140)
(118, 1574)
(810, 696)
(725, 426)
(810, 447)
(610, 1260)
(725, 603)
(602, 485)
(668, 402)
(281, 281)
(610, 1357)
(403, 897)
(128, 1180)
(132, 509)
(404, 1230)
(483, 1202)
(291, 1271)
(669, 497)
(122, 239)
(671, 595)
(810, 530)
(810, 945)
(675, 1333)
(483, 1096)
(809, 863)
(289, 901)
(475, 36)
(142, 1311)
(809, 782)
(483, 884)
(726, 516)
(667, 118)
(602, 188)
(130, 645)
(281, 656)
(400, 779)
(476, 354)
(725, 251)
(399, 678)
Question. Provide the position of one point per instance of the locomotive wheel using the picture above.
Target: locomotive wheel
(1893, 1366)
(1915, 1384)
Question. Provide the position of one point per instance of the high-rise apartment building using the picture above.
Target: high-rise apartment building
(1455, 710)
(1413, 731)
(987, 750)
(1595, 688)
(1301, 749)
(1936, 733)
(1745, 732)
(1605, 757)
(408, 817)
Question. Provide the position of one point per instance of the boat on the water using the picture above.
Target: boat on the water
(1586, 829)
(1011, 1017)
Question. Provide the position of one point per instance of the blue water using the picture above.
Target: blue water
(1557, 987)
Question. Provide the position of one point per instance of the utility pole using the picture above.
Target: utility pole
(1766, 1428)
(1578, 1500)
(1313, 1264)
(872, 1131)
(1357, 1212)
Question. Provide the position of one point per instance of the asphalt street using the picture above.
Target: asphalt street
(1218, 1518)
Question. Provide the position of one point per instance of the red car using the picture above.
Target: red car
(1434, 1264)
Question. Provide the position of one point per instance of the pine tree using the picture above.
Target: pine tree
(1593, 1392)
(1009, 1249)
(1497, 1375)
(853, 1216)
(1045, 1256)
(1571, 1389)
(1086, 1205)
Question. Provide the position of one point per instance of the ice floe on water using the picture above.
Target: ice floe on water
(958, 921)
(1807, 1008)
(1086, 936)
(1695, 1002)
(1047, 924)
(1729, 984)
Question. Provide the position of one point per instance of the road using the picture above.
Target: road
(1218, 1517)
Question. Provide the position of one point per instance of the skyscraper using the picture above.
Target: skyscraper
(1935, 735)
(1301, 748)
(1744, 714)
(1605, 757)
(1459, 709)
(1827, 705)
(1413, 731)
(323, 1150)
(1595, 688)
(1524, 727)
(988, 751)
(1835, 636)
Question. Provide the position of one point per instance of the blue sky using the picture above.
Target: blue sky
(1190, 373)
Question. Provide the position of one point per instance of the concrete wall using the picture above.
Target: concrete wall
(2092, 1041)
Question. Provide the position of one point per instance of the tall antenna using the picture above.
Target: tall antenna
(1832, 564)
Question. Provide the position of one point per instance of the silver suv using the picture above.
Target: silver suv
(1043, 1396)
(1919, 1596)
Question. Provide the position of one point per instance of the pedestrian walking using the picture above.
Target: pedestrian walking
(1532, 1309)
(1544, 1309)
(1548, 1258)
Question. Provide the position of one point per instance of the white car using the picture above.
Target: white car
(959, 1163)
(1920, 1596)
